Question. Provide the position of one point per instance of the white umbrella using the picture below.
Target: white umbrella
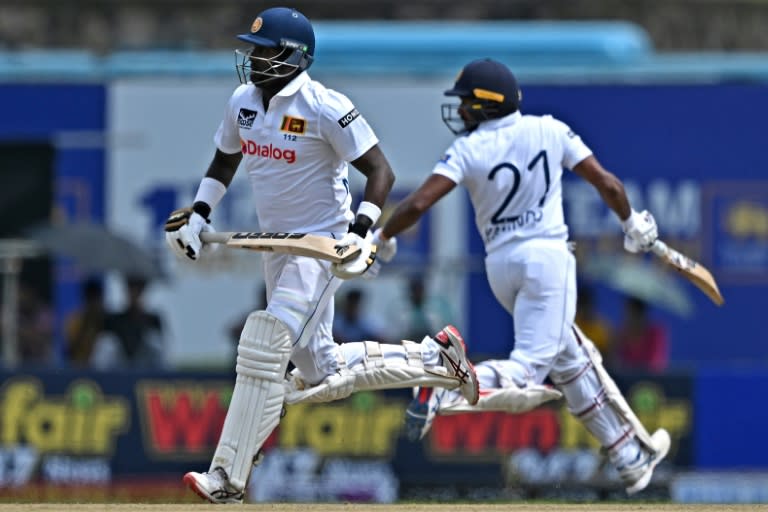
(639, 278)
(97, 249)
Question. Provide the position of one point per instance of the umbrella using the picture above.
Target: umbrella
(95, 248)
(641, 279)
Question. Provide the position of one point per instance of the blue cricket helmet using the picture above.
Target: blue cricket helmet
(284, 28)
(492, 90)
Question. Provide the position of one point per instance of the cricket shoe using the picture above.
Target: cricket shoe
(421, 412)
(213, 487)
(637, 474)
(453, 352)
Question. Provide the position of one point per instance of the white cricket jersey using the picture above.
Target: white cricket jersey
(513, 168)
(296, 153)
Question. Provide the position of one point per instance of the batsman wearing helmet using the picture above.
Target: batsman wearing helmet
(294, 137)
(512, 165)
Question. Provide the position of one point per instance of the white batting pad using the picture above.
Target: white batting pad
(511, 399)
(257, 400)
(373, 373)
(613, 394)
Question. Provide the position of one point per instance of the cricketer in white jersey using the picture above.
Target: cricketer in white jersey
(512, 165)
(295, 138)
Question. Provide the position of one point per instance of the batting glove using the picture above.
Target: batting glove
(640, 231)
(384, 254)
(182, 233)
(362, 262)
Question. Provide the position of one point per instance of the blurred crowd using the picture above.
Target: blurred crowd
(108, 25)
(95, 336)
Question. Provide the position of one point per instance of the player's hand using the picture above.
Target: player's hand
(640, 231)
(384, 253)
(182, 233)
(362, 262)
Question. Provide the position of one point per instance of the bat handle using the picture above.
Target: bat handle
(659, 248)
(215, 237)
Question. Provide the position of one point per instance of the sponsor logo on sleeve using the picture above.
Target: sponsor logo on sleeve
(245, 118)
(293, 125)
(348, 118)
(445, 158)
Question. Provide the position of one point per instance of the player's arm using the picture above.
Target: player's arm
(639, 228)
(183, 227)
(610, 187)
(222, 169)
(379, 180)
(410, 209)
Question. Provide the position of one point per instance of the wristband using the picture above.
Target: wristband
(210, 192)
(370, 210)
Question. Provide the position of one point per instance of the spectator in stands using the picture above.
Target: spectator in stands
(85, 325)
(350, 323)
(422, 313)
(640, 343)
(135, 334)
(589, 320)
(35, 327)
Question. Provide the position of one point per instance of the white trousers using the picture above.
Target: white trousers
(300, 293)
(535, 281)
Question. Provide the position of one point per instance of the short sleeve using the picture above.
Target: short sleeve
(227, 137)
(453, 163)
(345, 129)
(574, 149)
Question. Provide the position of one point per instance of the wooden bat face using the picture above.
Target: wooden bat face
(695, 272)
(300, 244)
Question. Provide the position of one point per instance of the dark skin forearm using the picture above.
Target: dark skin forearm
(410, 209)
(380, 178)
(610, 188)
(223, 166)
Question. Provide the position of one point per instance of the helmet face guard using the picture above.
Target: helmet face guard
(291, 58)
(488, 90)
(466, 116)
(289, 36)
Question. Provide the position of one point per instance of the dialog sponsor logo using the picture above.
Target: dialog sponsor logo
(251, 148)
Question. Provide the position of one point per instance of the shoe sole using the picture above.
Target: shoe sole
(453, 338)
(661, 439)
(191, 482)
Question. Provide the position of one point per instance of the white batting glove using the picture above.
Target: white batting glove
(361, 262)
(182, 233)
(384, 254)
(640, 231)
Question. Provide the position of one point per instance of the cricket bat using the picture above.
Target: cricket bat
(695, 272)
(300, 244)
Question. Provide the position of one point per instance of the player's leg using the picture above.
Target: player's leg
(635, 454)
(254, 410)
(574, 373)
(528, 281)
(497, 394)
(297, 291)
(436, 361)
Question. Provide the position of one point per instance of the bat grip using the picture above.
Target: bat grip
(215, 237)
(659, 248)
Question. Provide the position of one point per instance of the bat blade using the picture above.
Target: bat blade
(299, 244)
(694, 271)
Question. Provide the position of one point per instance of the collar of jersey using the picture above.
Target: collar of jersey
(500, 122)
(294, 85)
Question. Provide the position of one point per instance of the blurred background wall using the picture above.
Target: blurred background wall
(109, 108)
